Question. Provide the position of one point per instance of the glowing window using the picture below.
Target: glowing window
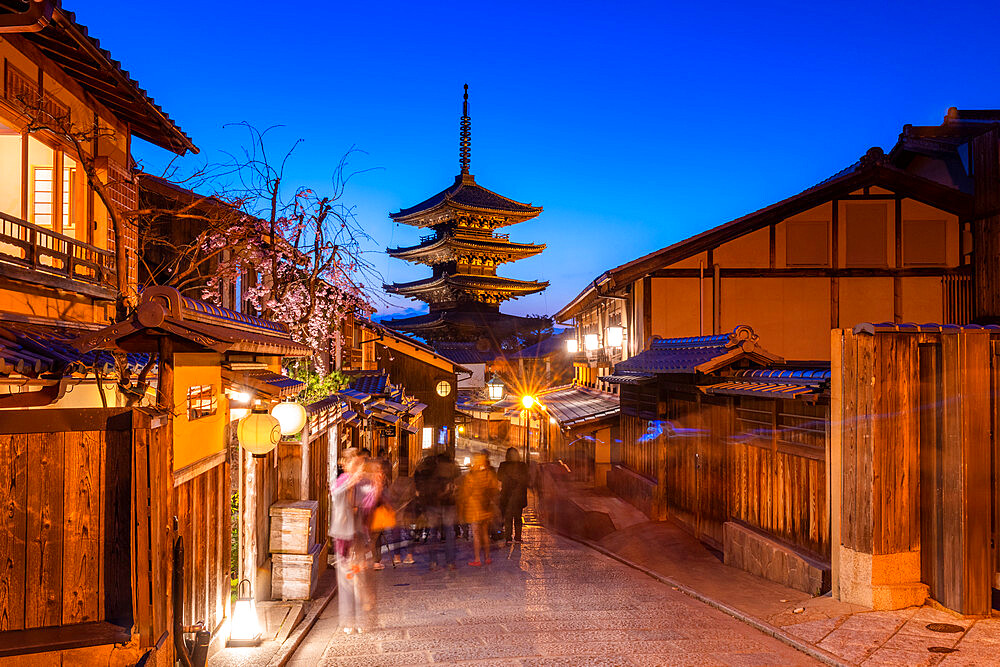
(427, 438)
(202, 401)
(443, 388)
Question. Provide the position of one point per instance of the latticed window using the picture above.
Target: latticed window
(202, 401)
(125, 198)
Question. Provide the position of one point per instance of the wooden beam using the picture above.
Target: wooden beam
(821, 272)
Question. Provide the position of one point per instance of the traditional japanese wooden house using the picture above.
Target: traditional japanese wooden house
(422, 374)
(57, 256)
(464, 252)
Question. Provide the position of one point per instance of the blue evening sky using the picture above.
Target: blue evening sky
(634, 124)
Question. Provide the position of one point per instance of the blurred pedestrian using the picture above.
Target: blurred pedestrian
(442, 492)
(513, 476)
(401, 495)
(478, 494)
(379, 471)
(353, 496)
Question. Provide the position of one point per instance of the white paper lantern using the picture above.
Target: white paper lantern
(259, 433)
(615, 336)
(291, 416)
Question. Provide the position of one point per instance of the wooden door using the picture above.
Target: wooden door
(995, 473)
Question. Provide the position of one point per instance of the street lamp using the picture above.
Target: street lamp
(527, 402)
(495, 388)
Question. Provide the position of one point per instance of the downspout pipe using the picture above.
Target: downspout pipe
(180, 649)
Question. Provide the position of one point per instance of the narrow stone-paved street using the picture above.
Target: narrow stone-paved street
(549, 601)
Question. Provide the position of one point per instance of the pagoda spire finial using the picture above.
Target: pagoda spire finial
(465, 136)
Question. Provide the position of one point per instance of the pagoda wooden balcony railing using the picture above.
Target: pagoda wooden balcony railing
(45, 251)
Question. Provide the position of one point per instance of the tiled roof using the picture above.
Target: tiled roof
(572, 406)
(35, 349)
(266, 382)
(555, 344)
(773, 383)
(370, 382)
(695, 354)
(69, 44)
(909, 327)
(466, 192)
(465, 353)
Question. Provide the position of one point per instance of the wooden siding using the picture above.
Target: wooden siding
(760, 462)
(203, 509)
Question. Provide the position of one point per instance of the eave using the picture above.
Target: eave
(467, 283)
(451, 248)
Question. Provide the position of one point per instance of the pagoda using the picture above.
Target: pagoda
(464, 291)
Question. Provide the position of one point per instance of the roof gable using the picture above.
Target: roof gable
(871, 170)
(696, 354)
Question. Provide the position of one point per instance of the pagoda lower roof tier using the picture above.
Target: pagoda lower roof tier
(465, 287)
(454, 325)
(468, 201)
(452, 248)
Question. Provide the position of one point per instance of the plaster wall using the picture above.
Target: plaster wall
(791, 315)
(196, 439)
(865, 300)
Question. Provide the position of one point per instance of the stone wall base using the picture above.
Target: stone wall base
(758, 554)
(882, 581)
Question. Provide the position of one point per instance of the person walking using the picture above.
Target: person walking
(378, 470)
(513, 476)
(438, 495)
(479, 490)
(353, 495)
(401, 496)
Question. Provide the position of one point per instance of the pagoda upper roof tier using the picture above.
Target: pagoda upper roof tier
(465, 287)
(452, 248)
(466, 198)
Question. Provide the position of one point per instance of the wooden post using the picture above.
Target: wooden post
(306, 451)
(986, 227)
(834, 464)
(879, 548)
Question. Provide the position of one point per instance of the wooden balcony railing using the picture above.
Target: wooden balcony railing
(43, 250)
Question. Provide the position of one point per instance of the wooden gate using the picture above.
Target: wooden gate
(82, 533)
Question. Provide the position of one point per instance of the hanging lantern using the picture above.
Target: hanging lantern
(258, 433)
(572, 346)
(495, 388)
(615, 336)
(590, 342)
(291, 416)
(245, 627)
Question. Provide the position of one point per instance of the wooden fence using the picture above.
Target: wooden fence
(711, 459)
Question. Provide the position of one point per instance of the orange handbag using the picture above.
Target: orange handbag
(383, 518)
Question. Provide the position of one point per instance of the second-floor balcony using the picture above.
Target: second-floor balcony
(36, 254)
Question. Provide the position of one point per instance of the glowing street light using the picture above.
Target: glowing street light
(528, 402)
(495, 388)
(572, 346)
(245, 627)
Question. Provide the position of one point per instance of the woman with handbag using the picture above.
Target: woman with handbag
(353, 495)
